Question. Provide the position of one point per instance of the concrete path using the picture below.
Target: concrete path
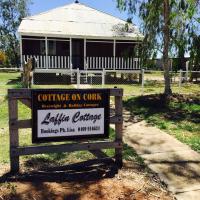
(176, 164)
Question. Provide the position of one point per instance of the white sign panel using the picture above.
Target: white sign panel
(70, 122)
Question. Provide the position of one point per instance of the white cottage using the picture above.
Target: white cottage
(79, 39)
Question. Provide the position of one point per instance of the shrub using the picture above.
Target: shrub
(3, 58)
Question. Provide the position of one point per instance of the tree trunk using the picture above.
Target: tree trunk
(166, 32)
(27, 74)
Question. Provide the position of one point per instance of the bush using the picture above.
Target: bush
(3, 58)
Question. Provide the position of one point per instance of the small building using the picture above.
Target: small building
(76, 39)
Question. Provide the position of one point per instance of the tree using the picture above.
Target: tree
(182, 29)
(158, 17)
(166, 37)
(195, 56)
(11, 14)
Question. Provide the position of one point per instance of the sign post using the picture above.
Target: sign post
(60, 115)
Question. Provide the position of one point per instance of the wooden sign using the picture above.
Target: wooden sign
(26, 96)
(59, 115)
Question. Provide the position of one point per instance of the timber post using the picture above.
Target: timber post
(14, 134)
(103, 77)
(78, 78)
(118, 128)
(180, 79)
(142, 81)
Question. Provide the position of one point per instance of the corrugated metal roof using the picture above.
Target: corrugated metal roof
(78, 20)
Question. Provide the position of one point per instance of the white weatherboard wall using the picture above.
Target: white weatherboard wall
(77, 20)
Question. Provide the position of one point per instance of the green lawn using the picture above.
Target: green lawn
(8, 80)
(12, 80)
(153, 87)
(186, 128)
(56, 159)
(180, 117)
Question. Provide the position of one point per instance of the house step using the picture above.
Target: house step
(84, 78)
(73, 78)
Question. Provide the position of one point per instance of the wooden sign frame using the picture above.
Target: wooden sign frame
(95, 147)
(75, 102)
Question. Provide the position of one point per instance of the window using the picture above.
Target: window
(52, 48)
(42, 47)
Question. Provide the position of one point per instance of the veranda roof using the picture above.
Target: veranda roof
(80, 21)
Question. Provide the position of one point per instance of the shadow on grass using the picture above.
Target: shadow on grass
(53, 168)
(45, 161)
(81, 176)
(153, 83)
(15, 81)
(117, 81)
(91, 170)
(130, 154)
(176, 108)
(74, 180)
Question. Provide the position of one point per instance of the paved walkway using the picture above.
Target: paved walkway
(176, 164)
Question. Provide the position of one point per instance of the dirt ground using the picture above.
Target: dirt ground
(89, 180)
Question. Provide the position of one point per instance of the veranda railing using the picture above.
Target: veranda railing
(91, 63)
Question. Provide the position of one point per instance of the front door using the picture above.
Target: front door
(78, 53)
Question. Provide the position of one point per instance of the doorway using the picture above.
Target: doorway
(78, 53)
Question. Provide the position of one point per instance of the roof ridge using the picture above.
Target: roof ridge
(45, 12)
(86, 22)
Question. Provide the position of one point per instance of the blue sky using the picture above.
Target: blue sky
(108, 6)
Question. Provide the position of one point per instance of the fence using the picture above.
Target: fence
(133, 82)
(9, 69)
(112, 63)
(24, 96)
(90, 63)
(183, 82)
(185, 76)
(150, 81)
(50, 62)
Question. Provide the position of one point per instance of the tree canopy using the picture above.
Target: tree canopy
(11, 14)
(169, 27)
